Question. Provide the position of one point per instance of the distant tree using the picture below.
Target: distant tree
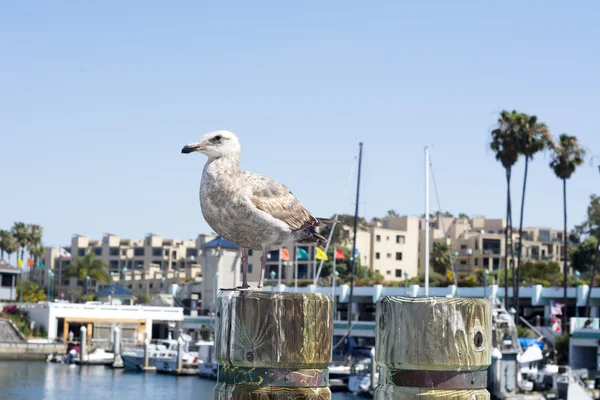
(567, 156)
(583, 255)
(21, 235)
(392, 213)
(87, 266)
(32, 292)
(463, 216)
(505, 144)
(591, 225)
(8, 244)
(142, 298)
(534, 137)
(439, 259)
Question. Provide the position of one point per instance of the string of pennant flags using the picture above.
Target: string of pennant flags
(320, 254)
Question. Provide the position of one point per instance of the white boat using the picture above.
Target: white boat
(207, 365)
(96, 357)
(133, 359)
(189, 360)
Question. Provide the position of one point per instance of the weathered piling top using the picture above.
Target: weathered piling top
(262, 329)
(445, 334)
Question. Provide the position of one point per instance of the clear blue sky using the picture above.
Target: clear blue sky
(98, 98)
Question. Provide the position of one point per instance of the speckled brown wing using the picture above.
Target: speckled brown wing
(278, 200)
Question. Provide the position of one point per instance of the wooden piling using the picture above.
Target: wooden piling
(273, 346)
(433, 348)
(83, 349)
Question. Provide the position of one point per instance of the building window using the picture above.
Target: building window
(173, 254)
(151, 285)
(378, 238)
(486, 263)
(174, 265)
(139, 265)
(250, 252)
(388, 272)
(139, 285)
(389, 255)
(113, 264)
(377, 271)
(476, 261)
(158, 262)
(398, 273)
(113, 251)
(496, 264)
(463, 262)
(387, 238)
(65, 282)
(377, 256)
(130, 286)
(398, 256)
(138, 251)
(191, 253)
(98, 251)
(81, 252)
(463, 246)
(7, 280)
(157, 251)
(400, 239)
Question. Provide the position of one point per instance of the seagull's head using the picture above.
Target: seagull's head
(215, 144)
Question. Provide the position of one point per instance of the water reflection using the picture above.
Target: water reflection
(42, 381)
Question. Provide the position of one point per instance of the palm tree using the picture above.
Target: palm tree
(567, 156)
(36, 251)
(5, 237)
(439, 258)
(8, 244)
(505, 143)
(85, 266)
(392, 213)
(534, 137)
(21, 235)
(35, 247)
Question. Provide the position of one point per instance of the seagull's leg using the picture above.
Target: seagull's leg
(263, 266)
(244, 269)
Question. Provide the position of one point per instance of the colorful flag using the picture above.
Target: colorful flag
(40, 265)
(301, 254)
(64, 254)
(339, 254)
(556, 308)
(19, 263)
(30, 262)
(285, 254)
(321, 254)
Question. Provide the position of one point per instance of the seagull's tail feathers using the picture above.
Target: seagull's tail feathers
(326, 221)
(310, 236)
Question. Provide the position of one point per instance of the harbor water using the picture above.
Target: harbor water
(44, 381)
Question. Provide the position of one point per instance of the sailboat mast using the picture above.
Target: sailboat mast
(352, 255)
(426, 221)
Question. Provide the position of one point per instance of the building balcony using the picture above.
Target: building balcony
(492, 251)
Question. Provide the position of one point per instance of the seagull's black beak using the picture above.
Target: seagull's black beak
(191, 148)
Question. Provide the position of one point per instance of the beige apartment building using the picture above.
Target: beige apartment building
(147, 265)
(389, 247)
(479, 243)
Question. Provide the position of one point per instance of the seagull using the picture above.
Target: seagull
(249, 209)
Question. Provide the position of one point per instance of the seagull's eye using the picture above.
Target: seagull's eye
(217, 138)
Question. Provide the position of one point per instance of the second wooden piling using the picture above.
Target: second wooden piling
(273, 346)
(433, 348)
